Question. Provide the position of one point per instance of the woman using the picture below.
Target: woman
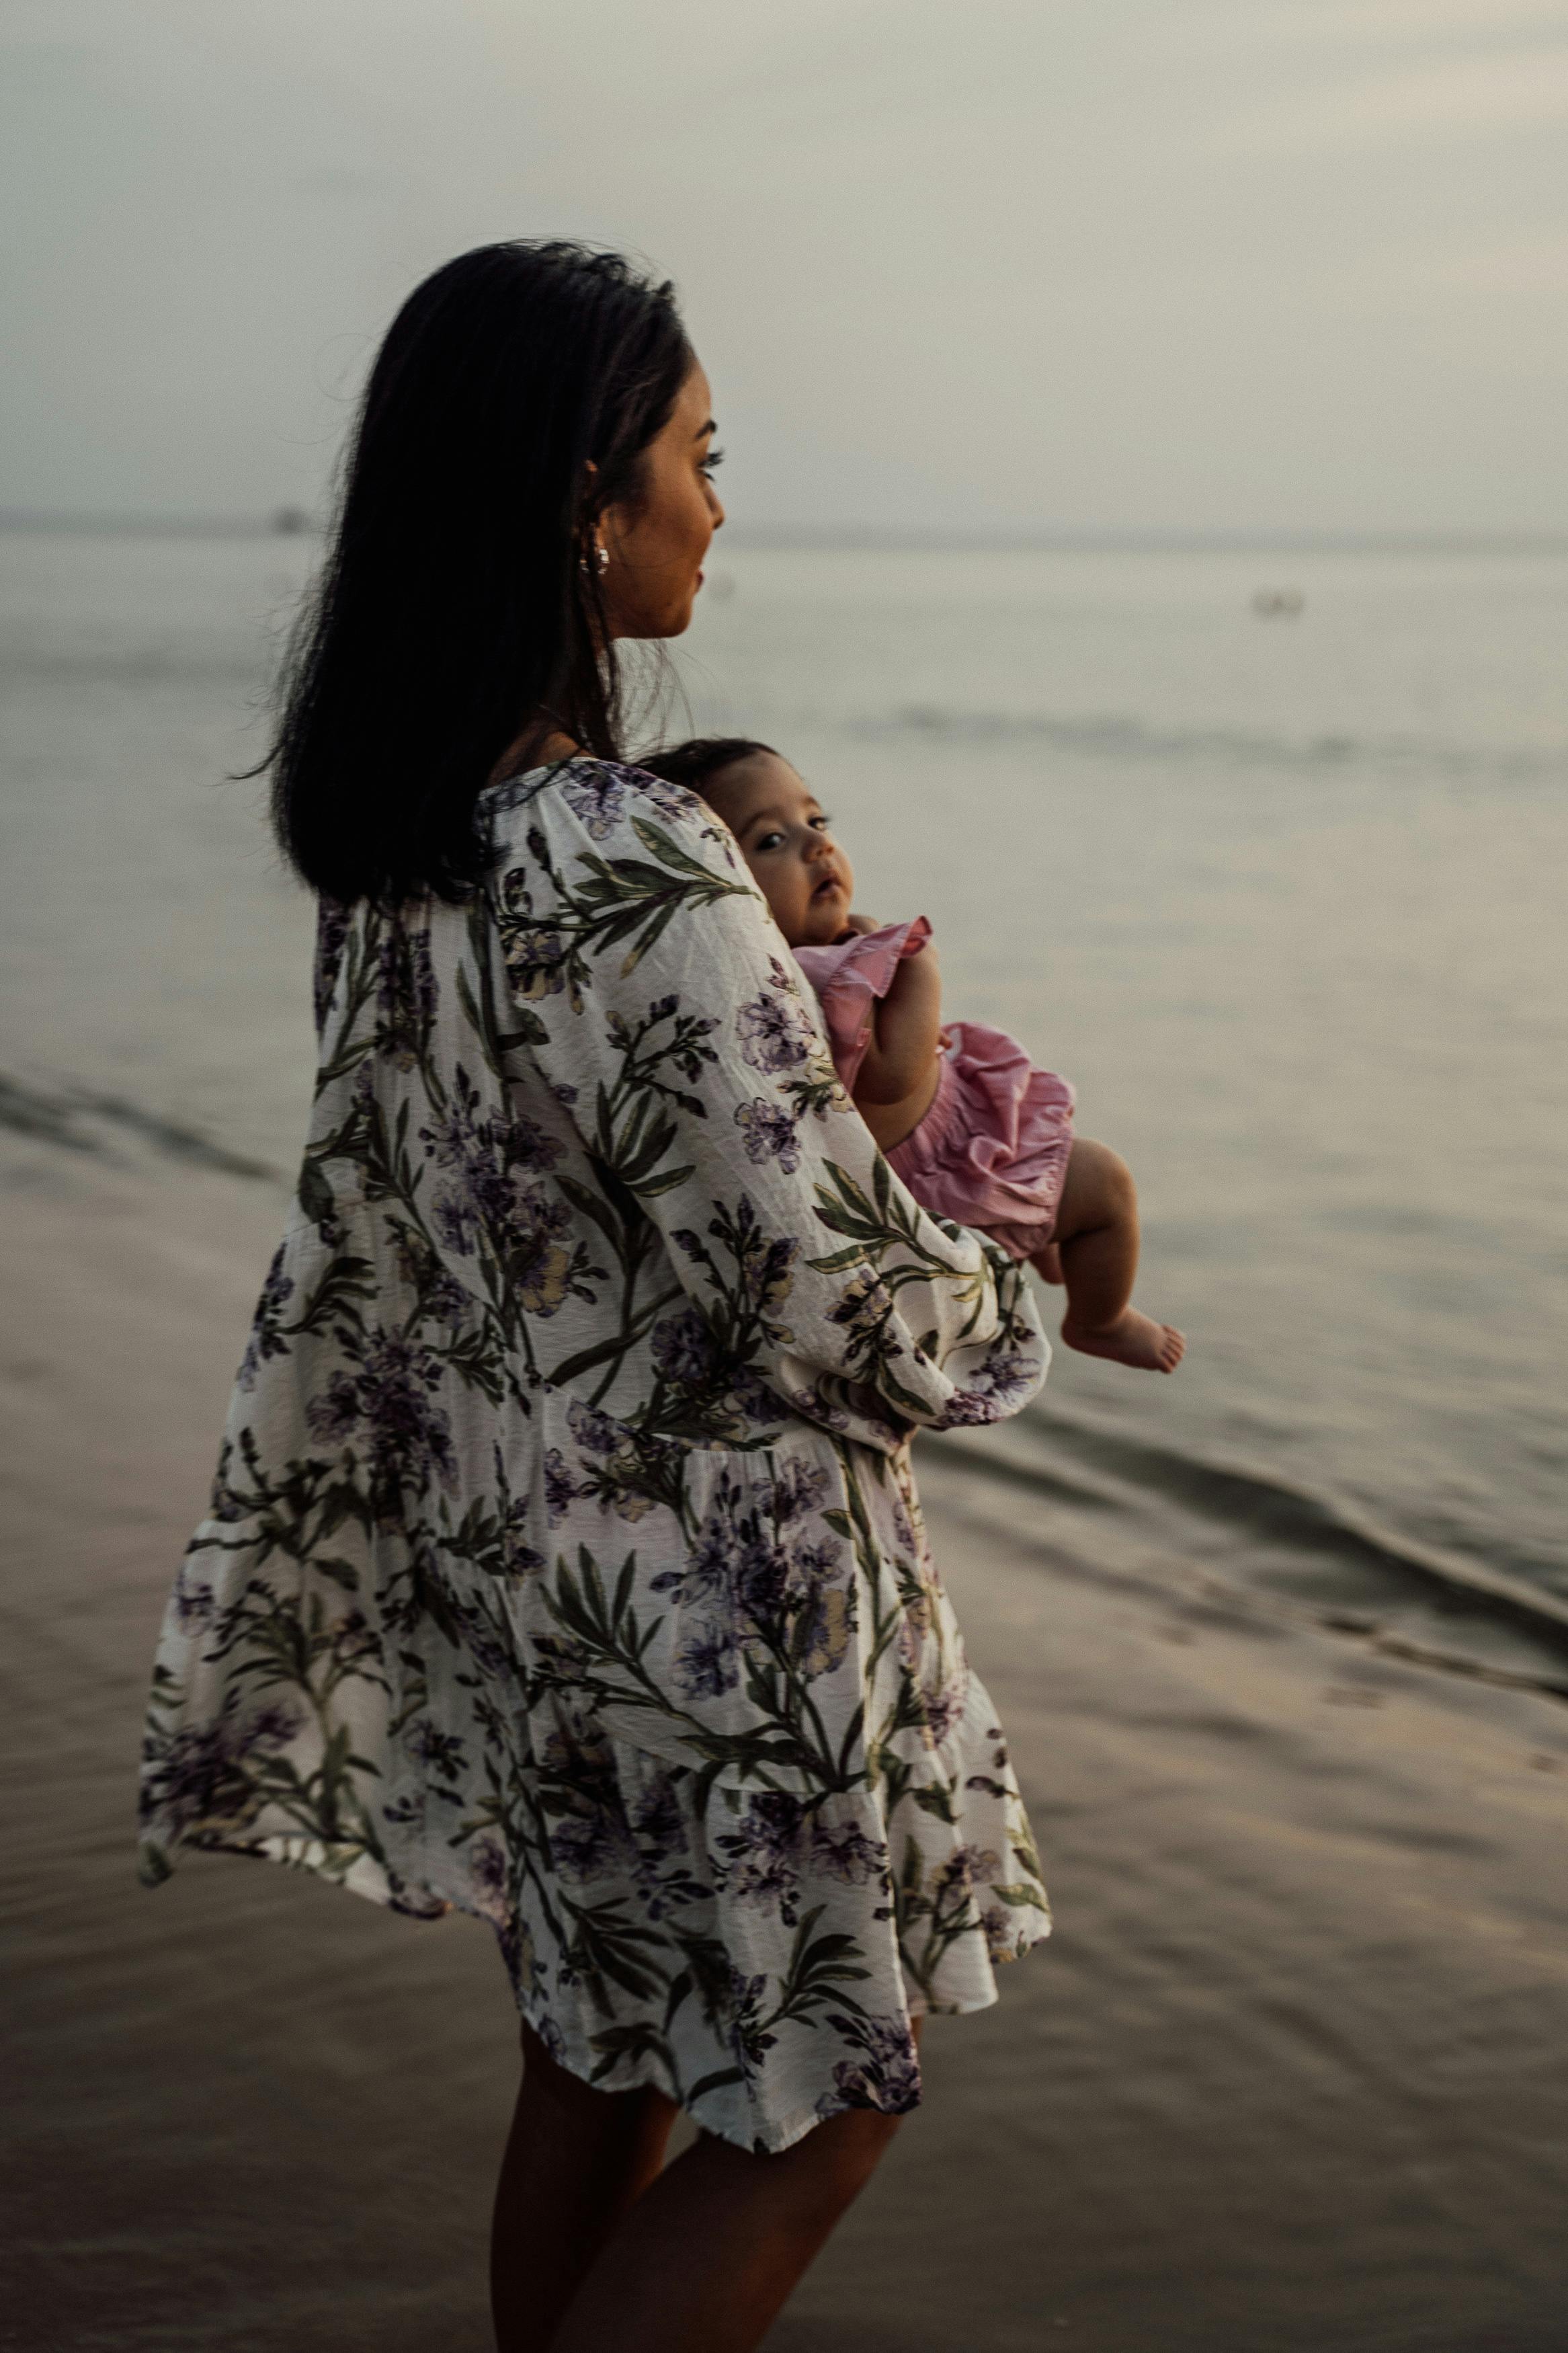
(564, 1563)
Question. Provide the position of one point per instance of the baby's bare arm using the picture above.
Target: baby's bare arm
(905, 1029)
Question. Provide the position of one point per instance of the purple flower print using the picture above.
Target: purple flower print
(775, 1034)
(518, 1558)
(440, 1752)
(534, 951)
(941, 1705)
(442, 1297)
(486, 1161)
(526, 1237)
(485, 1146)
(194, 1603)
(799, 1488)
(388, 1401)
(453, 1217)
(591, 1840)
(708, 1663)
(535, 960)
(206, 1773)
(444, 1300)
(769, 1133)
(683, 1347)
(266, 1331)
(673, 801)
(864, 1306)
(227, 1504)
(990, 1392)
(599, 796)
(760, 1571)
(488, 1866)
(748, 2040)
(550, 2034)
(943, 1709)
(559, 1491)
(823, 1626)
(1006, 1378)
(656, 1821)
(886, 2075)
(594, 1432)
(848, 1853)
(337, 1411)
(760, 1858)
(626, 1468)
(814, 1563)
(332, 922)
(952, 1890)
(708, 1569)
(776, 1031)
(1002, 1933)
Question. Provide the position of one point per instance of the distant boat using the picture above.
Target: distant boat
(289, 522)
(1278, 604)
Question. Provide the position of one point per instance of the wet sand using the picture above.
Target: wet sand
(1292, 2075)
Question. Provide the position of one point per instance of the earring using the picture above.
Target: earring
(601, 559)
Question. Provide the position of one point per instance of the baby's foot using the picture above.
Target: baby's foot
(1128, 1339)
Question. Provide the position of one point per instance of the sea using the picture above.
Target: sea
(1264, 849)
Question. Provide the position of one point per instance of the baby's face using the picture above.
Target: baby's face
(802, 874)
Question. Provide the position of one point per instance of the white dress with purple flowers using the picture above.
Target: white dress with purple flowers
(563, 1562)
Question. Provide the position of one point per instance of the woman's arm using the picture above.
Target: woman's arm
(654, 996)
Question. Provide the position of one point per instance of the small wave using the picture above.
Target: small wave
(1292, 1519)
(66, 1117)
(135, 666)
(1278, 1508)
(1112, 736)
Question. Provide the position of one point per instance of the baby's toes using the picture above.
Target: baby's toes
(1173, 1349)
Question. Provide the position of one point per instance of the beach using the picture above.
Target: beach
(1281, 1645)
(1292, 2072)
(1139, 523)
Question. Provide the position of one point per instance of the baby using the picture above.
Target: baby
(974, 1131)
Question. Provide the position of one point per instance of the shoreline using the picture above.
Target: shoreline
(1290, 2073)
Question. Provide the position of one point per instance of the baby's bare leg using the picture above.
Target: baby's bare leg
(1097, 1237)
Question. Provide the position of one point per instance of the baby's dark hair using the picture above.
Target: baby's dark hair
(695, 764)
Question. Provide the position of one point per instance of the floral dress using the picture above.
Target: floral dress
(563, 1562)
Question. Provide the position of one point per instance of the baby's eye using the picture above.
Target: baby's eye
(821, 823)
(767, 841)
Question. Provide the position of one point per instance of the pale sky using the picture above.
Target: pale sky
(958, 264)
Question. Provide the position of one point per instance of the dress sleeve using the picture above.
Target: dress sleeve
(662, 1007)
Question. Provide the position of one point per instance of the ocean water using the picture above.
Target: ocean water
(1280, 890)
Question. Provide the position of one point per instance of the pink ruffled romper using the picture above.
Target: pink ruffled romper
(991, 1151)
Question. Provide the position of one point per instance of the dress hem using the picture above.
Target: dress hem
(373, 1886)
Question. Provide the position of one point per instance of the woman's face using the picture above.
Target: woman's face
(656, 544)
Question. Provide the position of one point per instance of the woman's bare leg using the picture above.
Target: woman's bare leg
(706, 2259)
(1096, 1235)
(577, 2158)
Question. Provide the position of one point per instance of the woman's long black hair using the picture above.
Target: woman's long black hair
(459, 597)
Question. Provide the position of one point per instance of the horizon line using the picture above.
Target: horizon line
(298, 522)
